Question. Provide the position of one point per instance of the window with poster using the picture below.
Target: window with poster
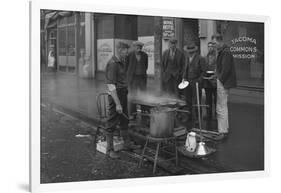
(246, 43)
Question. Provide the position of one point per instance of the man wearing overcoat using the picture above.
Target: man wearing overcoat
(173, 61)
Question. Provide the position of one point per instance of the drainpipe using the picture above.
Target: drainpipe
(89, 39)
(157, 51)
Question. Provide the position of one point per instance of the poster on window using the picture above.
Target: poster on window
(104, 52)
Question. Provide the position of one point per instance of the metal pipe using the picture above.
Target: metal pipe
(199, 112)
(182, 111)
(125, 116)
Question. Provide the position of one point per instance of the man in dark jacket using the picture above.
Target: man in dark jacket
(193, 73)
(209, 82)
(226, 79)
(136, 74)
(173, 61)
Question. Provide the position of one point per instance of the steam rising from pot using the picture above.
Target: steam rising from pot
(153, 98)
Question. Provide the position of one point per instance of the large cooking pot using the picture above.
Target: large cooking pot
(162, 121)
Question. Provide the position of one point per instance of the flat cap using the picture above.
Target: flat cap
(173, 40)
(138, 43)
(211, 44)
(191, 47)
(217, 36)
(122, 45)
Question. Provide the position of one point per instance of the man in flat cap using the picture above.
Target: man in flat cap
(136, 75)
(209, 82)
(226, 79)
(116, 80)
(211, 47)
(194, 74)
(173, 61)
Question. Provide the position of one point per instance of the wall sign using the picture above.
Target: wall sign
(168, 28)
(244, 47)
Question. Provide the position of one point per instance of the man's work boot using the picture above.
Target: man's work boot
(110, 148)
(113, 155)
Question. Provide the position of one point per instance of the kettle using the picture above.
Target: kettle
(201, 150)
(190, 143)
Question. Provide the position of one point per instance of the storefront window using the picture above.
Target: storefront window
(62, 21)
(191, 31)
(67, 44)
(71, 41)
(82, 17)
(125, 27)
(246, 43)
(62, 41)
(105, 26)
(71, 19)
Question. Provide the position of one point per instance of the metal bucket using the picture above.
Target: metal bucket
(162, 121)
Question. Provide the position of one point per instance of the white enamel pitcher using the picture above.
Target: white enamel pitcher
(191, 143)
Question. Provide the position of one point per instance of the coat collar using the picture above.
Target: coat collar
(176, 51)
(116, 59)
(223, 48)
(194, 59)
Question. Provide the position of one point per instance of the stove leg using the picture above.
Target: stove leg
(156, 157)
(176, 152)
(143, 152)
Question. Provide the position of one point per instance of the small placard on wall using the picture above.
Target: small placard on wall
(168, 27)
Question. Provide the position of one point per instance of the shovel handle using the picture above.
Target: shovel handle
(182, 111)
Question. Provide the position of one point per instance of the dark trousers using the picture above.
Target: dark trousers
(138, 84)
(114, 117)
(211, 98)
(170, 87)
(191, 100)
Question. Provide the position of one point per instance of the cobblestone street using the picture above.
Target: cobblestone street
(66, 158)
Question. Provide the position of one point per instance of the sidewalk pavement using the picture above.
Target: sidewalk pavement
(78, 94)
(243, 150)
(71, 92)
